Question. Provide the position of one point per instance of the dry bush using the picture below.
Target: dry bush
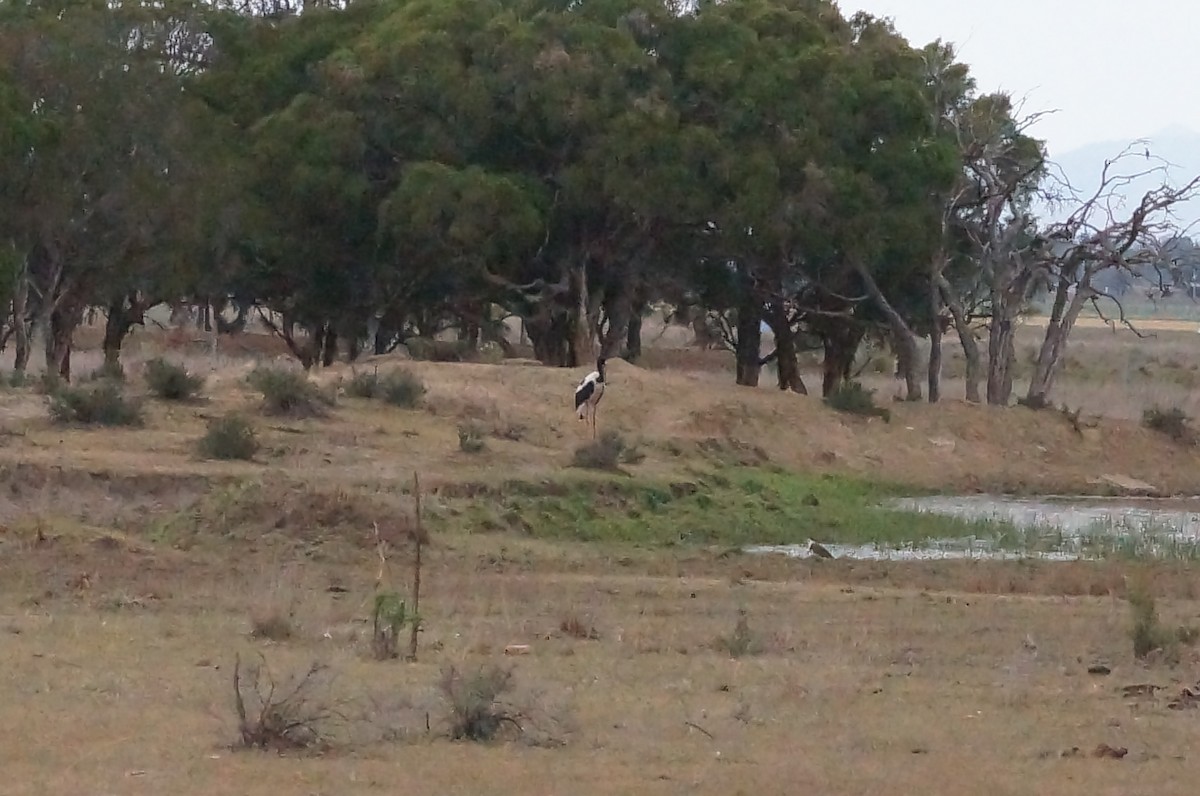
(1172, 421)
(1147, 632)
(574, 627)
(742, 641)
(279, 717)
(607, 452)
(172, 382)
(853, 398)
(289, 393)
(399, 387)
(478, 711)
(231, 437)
(388, 618)
(470, 437)
(101, 403)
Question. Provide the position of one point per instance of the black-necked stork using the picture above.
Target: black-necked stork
(589, 392)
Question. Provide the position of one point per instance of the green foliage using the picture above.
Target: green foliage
(231, 437)
(289, 393)
(1147, 632)
(852, 398)
(730, 506)
(388, 617)
(99, 403)
(172, 382)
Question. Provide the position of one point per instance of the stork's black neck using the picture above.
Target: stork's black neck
(600, 369)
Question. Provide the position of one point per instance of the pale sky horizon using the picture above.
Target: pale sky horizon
(1113, 71)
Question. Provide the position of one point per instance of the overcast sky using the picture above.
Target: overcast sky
(1114, 70)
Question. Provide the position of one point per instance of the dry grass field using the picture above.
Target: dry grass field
(134, 573)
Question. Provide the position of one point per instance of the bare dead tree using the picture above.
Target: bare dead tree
(1098, 237)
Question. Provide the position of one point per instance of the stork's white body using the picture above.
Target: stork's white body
(588, 394)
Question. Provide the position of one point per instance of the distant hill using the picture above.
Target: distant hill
(1177, 145)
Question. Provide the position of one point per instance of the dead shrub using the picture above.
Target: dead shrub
(742, 641)
(295, 715)
(574, 627)
(470, 437)
(272, 622)
(607, 452)
(478, 711)
(388, 618)
(1147, 632)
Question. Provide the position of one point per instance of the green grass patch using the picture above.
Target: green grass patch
(729, 506)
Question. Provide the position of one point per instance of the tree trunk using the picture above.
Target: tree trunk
(749, 346)
(583, 331)
(840, 342)
(966, 338)
(116, 326)
(935, 343)
(907, 352)
(633, 335)
(1001, 355)
(63, 320)
(618, 306)
(786, 364)
(20, 306)
(1054, 344)
(329, 346)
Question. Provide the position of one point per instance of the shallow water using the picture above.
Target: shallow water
(1056, 529)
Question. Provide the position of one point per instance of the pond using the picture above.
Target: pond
(1048, 528)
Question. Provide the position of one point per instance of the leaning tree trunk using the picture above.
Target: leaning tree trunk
(1054, 345)
(786, 362)
(618, 306)
(907, 352)
(62, 322)
(583, 330)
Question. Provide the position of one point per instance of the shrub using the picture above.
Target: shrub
(403, 389)
(231, 437)
(399, 388)
(606, 452)
(1147, 633)
(100, 403)
(388, 618)
(282, 716)
(742, 641)
(172, 382)
(113, 371)
(477, 712)
(363, 385)
(289, 393)
(1172, 421)
(470, 437)
(852, 398)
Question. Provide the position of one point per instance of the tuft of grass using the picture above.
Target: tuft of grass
(471, 437)
(277, 716)
(112, 371)
(172, 382)
(1147, 632)
(478, 710)
(289, 393)
(574, 627)
(363, 385)
(100, 403)
(607, 452)
(1171, 421)
(229, 438)
(853, 398)
(272, 623)
(742, 641)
